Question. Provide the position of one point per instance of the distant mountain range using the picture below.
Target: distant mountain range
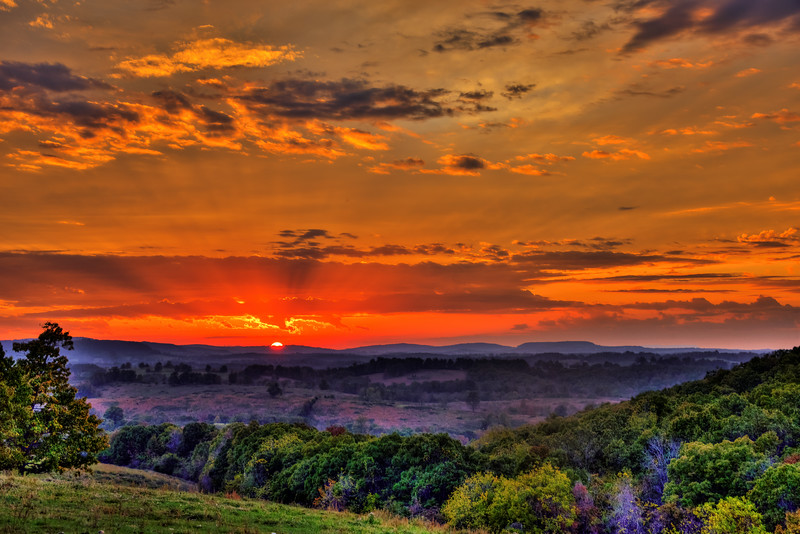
(115, 352)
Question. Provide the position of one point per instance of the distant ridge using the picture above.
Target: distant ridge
(90, 350)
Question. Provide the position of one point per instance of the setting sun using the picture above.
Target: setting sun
(277, 345)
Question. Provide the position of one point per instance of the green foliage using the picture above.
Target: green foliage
(709, 472)
(776, 492)
(538, 501)
(732, 515)
(43, 426)
(291, 462)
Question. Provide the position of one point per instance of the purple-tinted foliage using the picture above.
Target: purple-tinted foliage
(658, 454)
(588, 513)
(674, 519)
(626, 513)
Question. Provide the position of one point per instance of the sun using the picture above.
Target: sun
(277, 345)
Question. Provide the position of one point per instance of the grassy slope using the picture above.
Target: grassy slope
(121, 500)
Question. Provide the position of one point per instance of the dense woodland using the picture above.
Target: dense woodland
(717, 455)
(546, 375)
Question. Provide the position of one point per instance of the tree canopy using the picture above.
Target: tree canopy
(43, 426)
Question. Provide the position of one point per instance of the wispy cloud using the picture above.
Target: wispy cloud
(214, 53)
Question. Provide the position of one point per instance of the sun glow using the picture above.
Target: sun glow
(277, 345)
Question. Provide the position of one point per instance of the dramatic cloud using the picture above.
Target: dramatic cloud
(344, 100)
(708, 17)
(597, 155)
(52, 77)
(216, 53)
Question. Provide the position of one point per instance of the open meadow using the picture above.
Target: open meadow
(158, 403)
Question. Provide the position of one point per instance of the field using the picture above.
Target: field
(156, 403)
(122, 500)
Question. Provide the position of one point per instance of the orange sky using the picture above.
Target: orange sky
(349, 173)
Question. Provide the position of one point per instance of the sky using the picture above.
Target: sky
(339, 174)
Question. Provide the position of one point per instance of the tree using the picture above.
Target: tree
(43, 426)
(539, 501)
(115, 415)
(626, 513)
(274, 390)
(732, 515)
(776, 492)
(708, 472)
(473, 399)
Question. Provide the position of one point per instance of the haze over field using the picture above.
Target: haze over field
(354, 173)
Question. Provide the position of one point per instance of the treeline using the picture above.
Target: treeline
(174, 375)
(715, 456)
(294, 463)
(493, 378)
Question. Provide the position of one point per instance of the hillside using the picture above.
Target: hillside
(722, 449)
(123, 501)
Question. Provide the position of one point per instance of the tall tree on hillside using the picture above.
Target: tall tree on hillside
(43, 427)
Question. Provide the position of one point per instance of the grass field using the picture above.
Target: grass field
(121, 500)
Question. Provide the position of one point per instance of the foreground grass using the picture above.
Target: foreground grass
(117, 501)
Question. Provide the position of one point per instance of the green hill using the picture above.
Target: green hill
(120, 500)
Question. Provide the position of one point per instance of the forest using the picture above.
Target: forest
(715, 455)
(548, 375)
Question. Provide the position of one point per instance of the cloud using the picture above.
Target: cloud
(473, 101)
(771, 238)
(678, 62)
(545, 159)
(611, 140)
(638, 89)
(622, 154)
(721, 146)
(463, 165)
(708, 17)
(529, 170)
(48, 76)
(500, 29)
(77, 132)
(408, 164)
(783, 116)
(583, 260)
(214, 53)
(589, 29)
(6, 5)
(517, 90)
(689, 130)
(747, 72)
(345, 99)
(42, 21)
